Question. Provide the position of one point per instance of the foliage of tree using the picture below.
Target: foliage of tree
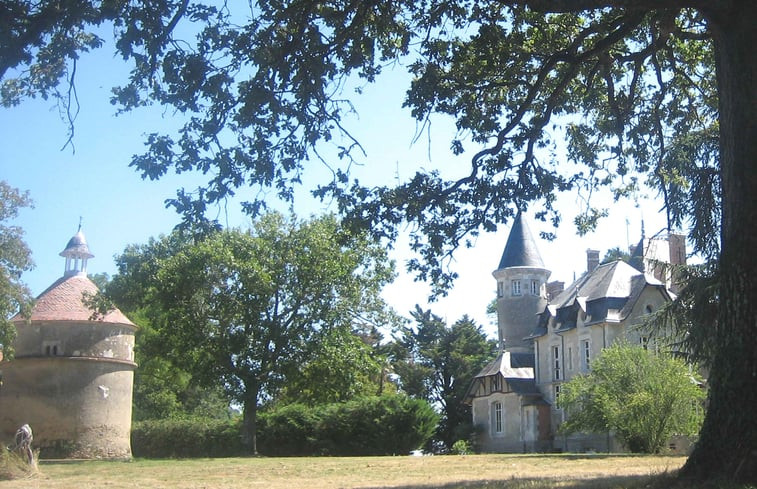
(339, 368)
(163, 387)
(659, 92)
(635, 259)
(437, 363)
(642, 396)
(243, 309)
(616, 254)
(15, 259)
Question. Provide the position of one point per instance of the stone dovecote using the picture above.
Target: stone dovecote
(72, 375)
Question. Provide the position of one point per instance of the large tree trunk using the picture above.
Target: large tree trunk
(728, 442)
(250, 423)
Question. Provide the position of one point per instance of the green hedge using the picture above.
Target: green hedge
(389, 425)
(290, 430)
(185, 438)
(386, 425)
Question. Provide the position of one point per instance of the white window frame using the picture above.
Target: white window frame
(586, 354)
(535, 286)
(556, 363)
(500, 289)
(515, 288)
(498, 425)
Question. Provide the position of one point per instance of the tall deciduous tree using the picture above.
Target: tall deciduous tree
(642, 396)
(661, 92)
(437, 363)
(340, 367)
(240, 309)
(164, 387)
(15, 258)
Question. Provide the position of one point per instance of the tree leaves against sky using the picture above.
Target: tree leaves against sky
(261, 88)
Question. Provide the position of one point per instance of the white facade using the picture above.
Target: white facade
(515, 399)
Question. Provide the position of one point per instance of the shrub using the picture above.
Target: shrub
(384, 425)
(461, 447)
(289, 430)
(642, 396)
(179, 438)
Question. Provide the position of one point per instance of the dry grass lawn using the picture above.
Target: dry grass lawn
(469, 471)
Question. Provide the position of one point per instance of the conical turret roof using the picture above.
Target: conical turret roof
(520, 250)
(64, 300)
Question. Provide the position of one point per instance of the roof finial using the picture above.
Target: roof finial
(80, 221)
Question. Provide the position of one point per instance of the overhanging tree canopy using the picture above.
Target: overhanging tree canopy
(659, 91)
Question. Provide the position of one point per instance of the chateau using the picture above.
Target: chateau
(72, 375)
(549, 333)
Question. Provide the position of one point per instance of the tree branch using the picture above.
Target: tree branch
(563, 6)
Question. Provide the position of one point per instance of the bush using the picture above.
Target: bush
(179, 438)
(642, 396)
(387, 425)
(289, 430)
(384, 425)
(461, 447)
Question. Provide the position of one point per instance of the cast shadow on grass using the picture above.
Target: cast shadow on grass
(666, 480)
(613, 482)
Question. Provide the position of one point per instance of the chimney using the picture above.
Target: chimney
(592, 260)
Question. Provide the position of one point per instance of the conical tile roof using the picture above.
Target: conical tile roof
(64, 301)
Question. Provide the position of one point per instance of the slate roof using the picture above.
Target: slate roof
(524, 387)
(520, 250)
(77, 246)
(510, 365)
(608, 293)
(516, 368)
(63, 301)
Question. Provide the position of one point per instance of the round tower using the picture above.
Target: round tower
(521, 288)
(72, 376)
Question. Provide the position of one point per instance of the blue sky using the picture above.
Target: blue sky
(118, 208)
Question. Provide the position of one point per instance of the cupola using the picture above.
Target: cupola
(76, 254)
